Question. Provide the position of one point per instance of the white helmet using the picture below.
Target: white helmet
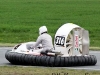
(42, 29)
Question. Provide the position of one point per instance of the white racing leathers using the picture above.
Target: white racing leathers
(46, 41)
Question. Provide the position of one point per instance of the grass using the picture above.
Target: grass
(14, 70)
(20, 19)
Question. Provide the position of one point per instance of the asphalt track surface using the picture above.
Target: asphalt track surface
(4, 62)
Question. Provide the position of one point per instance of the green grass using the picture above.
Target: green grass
(20, 19)
(13, 70)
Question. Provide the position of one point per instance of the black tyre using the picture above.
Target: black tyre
(93, 60)
(51, 62)
(57, 61)
(66, 64)
(33, 61)
(62, 63)
(28, 59)
(43, 60)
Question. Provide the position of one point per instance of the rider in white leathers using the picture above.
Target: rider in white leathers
(45, 39)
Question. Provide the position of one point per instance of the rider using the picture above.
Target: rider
(45, 39)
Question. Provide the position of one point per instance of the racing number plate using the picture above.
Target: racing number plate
(60, 40)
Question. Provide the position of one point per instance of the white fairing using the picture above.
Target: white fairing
(68, 39)
(23, 48)
(65, 29)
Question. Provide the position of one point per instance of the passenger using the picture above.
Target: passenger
(44, 39)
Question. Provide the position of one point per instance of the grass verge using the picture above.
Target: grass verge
(20, 19)
(15, 70)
